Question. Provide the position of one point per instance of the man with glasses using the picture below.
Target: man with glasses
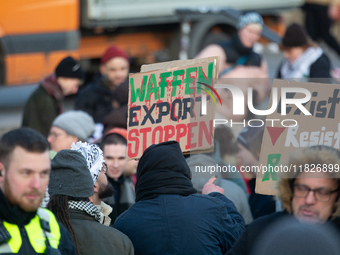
(314, 198)
(310, 195)
(70, 127)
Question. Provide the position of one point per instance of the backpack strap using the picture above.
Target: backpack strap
(240, 61)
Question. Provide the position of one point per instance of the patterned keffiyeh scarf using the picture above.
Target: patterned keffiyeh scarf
(87, 207)
(300, 68)
(93, 155)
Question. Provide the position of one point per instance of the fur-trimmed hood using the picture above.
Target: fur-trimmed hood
(314, 155)
(104, 210)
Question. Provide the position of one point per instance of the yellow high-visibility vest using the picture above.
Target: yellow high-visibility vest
(35, 234)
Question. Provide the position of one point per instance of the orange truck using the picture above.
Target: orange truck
(36, 34)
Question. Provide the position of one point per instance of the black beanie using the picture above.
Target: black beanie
(295, 36)
(69, 68)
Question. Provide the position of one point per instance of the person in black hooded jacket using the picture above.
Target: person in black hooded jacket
(169, 217)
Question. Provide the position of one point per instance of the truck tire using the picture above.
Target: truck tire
(174, 45)
(201, 34)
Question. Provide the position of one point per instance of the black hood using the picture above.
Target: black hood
(163, 170)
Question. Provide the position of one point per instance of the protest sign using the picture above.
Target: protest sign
(165, 103)
(284, 135)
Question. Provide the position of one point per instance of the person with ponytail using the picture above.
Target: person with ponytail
(70, 187)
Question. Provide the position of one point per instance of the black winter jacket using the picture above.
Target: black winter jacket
(98, 100)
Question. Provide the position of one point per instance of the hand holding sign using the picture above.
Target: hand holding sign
(210, 187)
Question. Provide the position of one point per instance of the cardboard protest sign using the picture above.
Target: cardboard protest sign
(286, 134)
(178, 63)
(166, 102)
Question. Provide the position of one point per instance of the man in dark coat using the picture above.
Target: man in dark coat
(46, 102)
(308, 195)
(169, 217)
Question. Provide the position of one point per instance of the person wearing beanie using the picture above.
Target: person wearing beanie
(239, 60)
(46, 102)
(249, 143)
(70, 186)
(238, 52)
(114, 147)
(70, 127)
(102, 187)
(302, 57)
(108, 92)
(169, 217)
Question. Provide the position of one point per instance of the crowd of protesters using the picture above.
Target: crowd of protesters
(64, 189)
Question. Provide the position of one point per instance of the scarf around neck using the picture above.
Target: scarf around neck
(300, 68)
(85, 206)
(54, 89)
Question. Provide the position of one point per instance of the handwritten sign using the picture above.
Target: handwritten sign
(165, 103)
(322, 127)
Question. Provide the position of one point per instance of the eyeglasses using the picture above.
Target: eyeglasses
(104, 168)
(55, 135)
(320, 194)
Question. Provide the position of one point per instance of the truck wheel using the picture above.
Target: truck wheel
(174, 45)
(214, 37)
(204, 33)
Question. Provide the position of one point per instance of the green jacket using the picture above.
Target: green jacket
(40, 111)
(95, 238)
